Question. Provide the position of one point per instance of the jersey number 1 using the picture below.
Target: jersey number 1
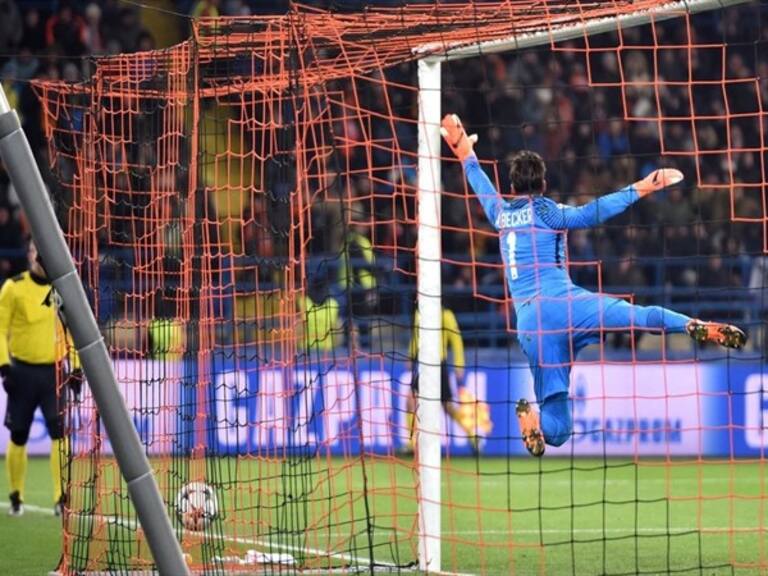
(511, 241)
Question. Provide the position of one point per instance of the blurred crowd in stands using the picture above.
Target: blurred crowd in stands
(52, 40)
(56, 40)
(681, 247)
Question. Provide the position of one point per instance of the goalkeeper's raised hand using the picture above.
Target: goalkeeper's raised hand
(657, 180)
(456, 138)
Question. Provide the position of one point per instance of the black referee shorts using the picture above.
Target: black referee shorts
(445, 383)
(34, 385)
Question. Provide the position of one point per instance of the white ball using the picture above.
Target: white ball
(196, 505)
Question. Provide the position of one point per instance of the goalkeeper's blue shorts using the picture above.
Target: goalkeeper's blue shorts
(553, 330)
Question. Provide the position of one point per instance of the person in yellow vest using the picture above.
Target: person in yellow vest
(360, 272)
(167, 338)
(322, 326)
(167, 334)
(205, 9)
(33, 342)
(357, 269)
(357, 277)
(471, 415)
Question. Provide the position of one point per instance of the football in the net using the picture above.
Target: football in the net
(196, 505)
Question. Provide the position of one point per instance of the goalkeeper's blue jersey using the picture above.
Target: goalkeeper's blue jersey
(532, 233)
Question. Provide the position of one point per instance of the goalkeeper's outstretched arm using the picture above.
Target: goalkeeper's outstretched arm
(556, 216)
(599, 210)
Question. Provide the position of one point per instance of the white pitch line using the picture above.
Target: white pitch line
(117, 520)
(32, 508)
(290, 547)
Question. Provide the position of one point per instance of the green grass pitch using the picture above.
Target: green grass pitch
(31, 544)
(523, 516)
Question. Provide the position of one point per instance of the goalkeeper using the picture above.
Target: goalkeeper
(556, 318)
(32, 341)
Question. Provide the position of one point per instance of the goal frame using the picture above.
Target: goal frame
(131, 460)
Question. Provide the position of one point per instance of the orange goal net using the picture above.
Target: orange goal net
(243, 211)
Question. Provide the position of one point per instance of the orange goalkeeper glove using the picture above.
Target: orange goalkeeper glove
(456, 138)
(657, 180)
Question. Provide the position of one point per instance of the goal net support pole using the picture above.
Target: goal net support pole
(60, 268)
(429, 410)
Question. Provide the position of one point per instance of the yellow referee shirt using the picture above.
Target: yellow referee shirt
(30, 330)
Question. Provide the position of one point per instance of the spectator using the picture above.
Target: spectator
(717, 283)
(357, 273)
(205, 9)
(33, 36)
(624, 277)
(111, 11)
(357, 269)
(16, 74)
(236, 8)
(70, 72)
(21, 67)
(113, 47)
(65, 31)
(322, 324)
(166, 332)
(758, 290)
(11, 28)
(94, 40)
(11, 241)
(582, 259)
(677, 210)
(145, 42)
(613, 141)
(129, 32)
(463, 282)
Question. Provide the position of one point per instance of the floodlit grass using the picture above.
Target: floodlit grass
(519, 516)
(30, 545)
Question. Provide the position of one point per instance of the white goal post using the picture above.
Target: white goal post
(429, 290)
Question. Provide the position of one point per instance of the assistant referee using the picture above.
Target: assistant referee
(32, 342)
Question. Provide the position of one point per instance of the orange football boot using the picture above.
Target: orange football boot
(530, 427)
